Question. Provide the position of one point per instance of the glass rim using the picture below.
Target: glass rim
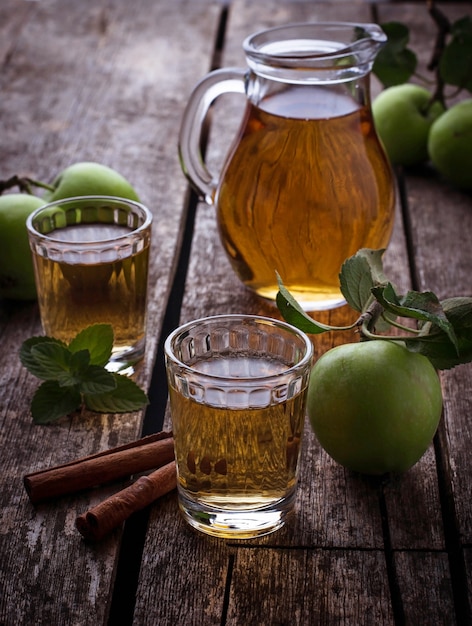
(82, 199)
(314, 52)
(255, 45)
(304, 362)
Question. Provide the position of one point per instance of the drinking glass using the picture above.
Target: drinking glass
(238, 388)
(90, 257)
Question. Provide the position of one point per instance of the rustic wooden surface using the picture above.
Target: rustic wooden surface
(108, 82)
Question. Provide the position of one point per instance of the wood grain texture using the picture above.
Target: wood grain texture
(108, 81)
(85, 81)
(334, 508)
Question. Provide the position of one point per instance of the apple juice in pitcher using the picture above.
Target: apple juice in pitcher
(299, 196)
(306, 183)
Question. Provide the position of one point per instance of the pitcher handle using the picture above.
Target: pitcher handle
(206, 91)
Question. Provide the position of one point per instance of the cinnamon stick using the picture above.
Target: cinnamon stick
(109, 514)
(141, 455)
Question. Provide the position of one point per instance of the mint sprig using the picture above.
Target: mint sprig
(442, 330)
(75, 376)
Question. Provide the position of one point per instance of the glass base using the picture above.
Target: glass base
(308, 302)
(124, 359)
(236, 524)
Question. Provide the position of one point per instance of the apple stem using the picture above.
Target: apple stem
(39, 183)
(369, 317)
(401, 326)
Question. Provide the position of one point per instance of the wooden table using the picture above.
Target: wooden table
(108, 81)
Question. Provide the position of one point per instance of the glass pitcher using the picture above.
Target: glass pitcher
(306, 182)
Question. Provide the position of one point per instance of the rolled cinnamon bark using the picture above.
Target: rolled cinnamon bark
(139, 456)
(109, 514)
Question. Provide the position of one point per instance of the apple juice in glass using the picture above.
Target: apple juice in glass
(90, 257)
(237, 392)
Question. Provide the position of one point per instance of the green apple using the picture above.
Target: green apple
(374, 406)
(90, 179)
(16, 264)
(450, 144)
(403, 117)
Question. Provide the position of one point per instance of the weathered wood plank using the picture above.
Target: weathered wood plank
(104, 82)
(418, 573)
(316, 587)
(334, 508)
(329, 496)
(183, 573)
(441, 220)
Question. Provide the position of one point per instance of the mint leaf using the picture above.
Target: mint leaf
(98, 340)
(27, 359)
(395, 63)
(96, 380)
(126, 397)
(52, 361)
(359, 274)
(79, 362)
(75, 374)
(51, 402)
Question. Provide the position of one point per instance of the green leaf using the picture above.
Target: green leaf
(51, 402)
(455, 66)
(52, 361)
(423, 306)
(126, 397)
(79, 362)
(359, 274)
(96, 380)
(395, 63)
(293, 313)
(75, 374)
(98, 340)
(435, 343)
(27, 359)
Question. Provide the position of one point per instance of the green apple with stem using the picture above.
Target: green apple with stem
(450, 144)
(403, 116)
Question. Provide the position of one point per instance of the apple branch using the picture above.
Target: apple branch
(444, 28)
(23, 183)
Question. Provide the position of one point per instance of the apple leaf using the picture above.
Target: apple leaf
(395, 63)
(423, 306)
(359, 274)
(444, 328)
(435, 343)
(293, 313)
(455, 65)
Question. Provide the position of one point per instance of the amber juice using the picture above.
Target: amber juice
(300, 195)
(74, 294)
(237, 458)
